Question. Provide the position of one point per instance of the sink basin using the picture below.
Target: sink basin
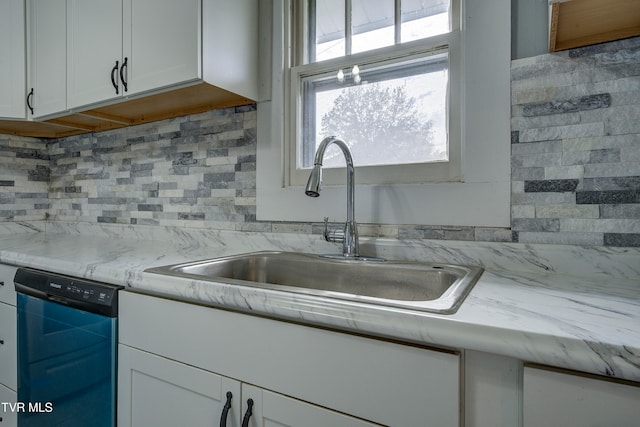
(428, 287)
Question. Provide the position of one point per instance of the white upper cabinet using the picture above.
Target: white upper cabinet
(12, 59)
(94, 51)
(86, 55)
(162, 43)
(119, 48)
(47, 85)
(230, 45)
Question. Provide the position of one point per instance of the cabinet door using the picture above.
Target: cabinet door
(272, 409)
(8, 418)
(7, 291)
(561, 399)
(238, 71)
(154, 391)
(94, 48)
(47, 57)
(162, 43)
(12, 59)
(8, 346)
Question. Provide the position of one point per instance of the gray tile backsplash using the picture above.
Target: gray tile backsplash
(24, 179)
(576, 146)
(575, 164)
(194, 171)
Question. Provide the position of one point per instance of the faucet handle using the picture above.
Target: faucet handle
(335, 235)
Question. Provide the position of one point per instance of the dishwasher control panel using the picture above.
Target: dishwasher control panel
(81, 293)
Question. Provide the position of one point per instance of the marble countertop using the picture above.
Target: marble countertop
(570, 307)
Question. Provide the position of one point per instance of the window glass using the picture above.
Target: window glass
(387, 114)
(372, 24)
(327, 28)
(422, 19)
(344, 27)
(388, 101)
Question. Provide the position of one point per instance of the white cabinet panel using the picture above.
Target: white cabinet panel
(8, 346)
(119, 48)
(8, 337)
(47, 57)
(154, 391)
(375, 380)
(230, 46)
(86, 55)
(94, 46)
(560, 399)
(162, 43)
(493, 390)
(12, 59)
(272, 409)
(8, 418)
(7, 290)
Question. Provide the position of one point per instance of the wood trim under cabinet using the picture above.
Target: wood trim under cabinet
(160, 106)
(577, 23)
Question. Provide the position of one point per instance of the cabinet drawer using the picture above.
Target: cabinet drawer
(375, 380)
(8, 358)
(8, 418)
(554, 398)
(7, 291)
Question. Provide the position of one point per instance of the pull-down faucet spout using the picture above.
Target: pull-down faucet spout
(349, 237)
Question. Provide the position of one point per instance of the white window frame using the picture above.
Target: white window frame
(481, 197)
(442, 171)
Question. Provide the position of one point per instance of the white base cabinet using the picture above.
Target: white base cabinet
(325, 375)
(493, 390)
(8, 337)
(272, 409)
(8, 346)
(155, 391)
(8, 418)
(7, 290)
(553, 398)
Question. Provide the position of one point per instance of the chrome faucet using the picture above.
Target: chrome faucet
(349, 235)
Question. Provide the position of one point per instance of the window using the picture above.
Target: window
(472, 188)
(376, 73)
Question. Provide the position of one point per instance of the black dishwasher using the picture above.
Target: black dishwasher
(67, 343)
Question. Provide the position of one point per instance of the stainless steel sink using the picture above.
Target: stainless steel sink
(428, 287)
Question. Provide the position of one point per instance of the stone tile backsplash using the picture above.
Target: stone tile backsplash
(576, 146)
(24, 179)
(194, 171)
(575, 164)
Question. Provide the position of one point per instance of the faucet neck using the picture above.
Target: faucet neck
(351, 247)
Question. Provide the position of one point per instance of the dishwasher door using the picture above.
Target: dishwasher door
(66, 365)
